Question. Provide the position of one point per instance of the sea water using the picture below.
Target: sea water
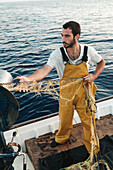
(31, 30)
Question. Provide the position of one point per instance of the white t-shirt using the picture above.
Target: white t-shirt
(56, 60)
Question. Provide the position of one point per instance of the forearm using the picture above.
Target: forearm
(99, 68)
(37, 75)
(40, 73)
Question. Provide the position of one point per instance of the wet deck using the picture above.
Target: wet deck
(40, 148)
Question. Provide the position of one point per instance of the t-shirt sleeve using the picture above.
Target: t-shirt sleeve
(93, 56)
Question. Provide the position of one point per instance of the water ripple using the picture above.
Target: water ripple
(30, 31)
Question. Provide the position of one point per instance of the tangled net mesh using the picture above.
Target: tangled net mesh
(49, 87)
(52, 87)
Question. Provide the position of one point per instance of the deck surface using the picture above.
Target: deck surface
(39, 148)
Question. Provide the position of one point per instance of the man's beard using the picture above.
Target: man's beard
(69, 45)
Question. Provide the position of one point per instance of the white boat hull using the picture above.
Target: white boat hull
(38, 128)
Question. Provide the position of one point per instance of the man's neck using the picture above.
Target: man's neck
(74, 52)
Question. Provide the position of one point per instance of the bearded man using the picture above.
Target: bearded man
(72, 61)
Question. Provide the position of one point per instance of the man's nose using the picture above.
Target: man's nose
(63, 38)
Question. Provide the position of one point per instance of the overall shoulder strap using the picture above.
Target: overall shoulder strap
(65, 58)
(85, 57)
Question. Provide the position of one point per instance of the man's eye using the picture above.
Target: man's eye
(67, 36)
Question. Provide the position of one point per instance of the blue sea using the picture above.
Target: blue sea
(31, 30)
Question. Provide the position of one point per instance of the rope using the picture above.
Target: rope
(89, 164)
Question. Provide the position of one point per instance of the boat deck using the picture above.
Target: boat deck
(39, 148)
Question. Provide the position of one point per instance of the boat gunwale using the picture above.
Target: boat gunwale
(50, 115)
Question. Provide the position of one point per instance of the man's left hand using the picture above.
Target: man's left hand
(90, 77)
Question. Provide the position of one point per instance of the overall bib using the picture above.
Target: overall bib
(73, 95)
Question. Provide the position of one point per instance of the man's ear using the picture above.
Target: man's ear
(77, 37)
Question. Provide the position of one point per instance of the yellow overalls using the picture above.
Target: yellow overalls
(72, 95)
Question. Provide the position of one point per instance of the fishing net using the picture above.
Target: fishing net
(52, 87)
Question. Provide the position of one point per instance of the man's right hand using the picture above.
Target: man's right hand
(36, 76)
(23, 79)
(23, 84)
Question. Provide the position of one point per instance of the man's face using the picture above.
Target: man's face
(68, 39)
